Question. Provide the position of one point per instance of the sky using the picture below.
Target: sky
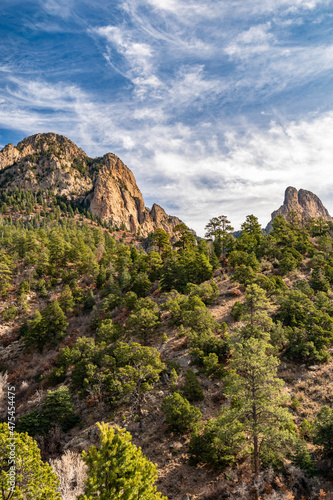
(215, 105)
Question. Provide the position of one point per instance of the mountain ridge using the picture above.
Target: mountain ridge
(105, 185)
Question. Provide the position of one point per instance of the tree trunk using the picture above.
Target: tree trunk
(255, 441)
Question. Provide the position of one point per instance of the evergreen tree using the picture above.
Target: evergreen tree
(34, 479)
(255, 308)
(219, 228)
(47, 327)
(186, 238)
(257, 402)
(161, 239)
(118, 469)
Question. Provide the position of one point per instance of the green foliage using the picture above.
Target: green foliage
(42, 290)
(207, 292)
(306, 430)
(302, 459)
(310, 323)
(89, 302)
(179, 414)
(191, 388)
(116, 372)
(66, 299)
(220, 444)
(203, 345)
(295, 404)
(118, 469)
(319, 282)
(23, 289)
(111, 302)
(219, 228)
(256, 394)
(294, 308)
(255, 312)
(35, 480)
(161, 239)
(57, 409)
(143, 322)
(186, 238)
(244, 275)
(9, 313)
(308, 344)
(289, 262)
(141, 284)
(47, 327)
(130, 300)
(109, 332)
(323, 431)
(189, 266)
(237, 311)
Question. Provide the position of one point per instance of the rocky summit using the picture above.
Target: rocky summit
(305, 203)
(105, 185)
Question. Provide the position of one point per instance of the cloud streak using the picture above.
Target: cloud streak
(216, 106)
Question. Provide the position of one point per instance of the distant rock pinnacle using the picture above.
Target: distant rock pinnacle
(305, 203)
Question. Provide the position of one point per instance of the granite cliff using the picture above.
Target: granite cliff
(305, 203)
(51, 162)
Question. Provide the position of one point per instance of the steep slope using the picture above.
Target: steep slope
(305, 203)
(105, 185)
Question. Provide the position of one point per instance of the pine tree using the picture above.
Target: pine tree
(220, 229)
(161, 239)
(118, 469)
(34, 479)
(255, 308)
(257, 398)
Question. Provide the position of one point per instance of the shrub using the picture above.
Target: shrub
(9, 313)
(89, 302)
(208, 292)
(191, 389)
(130, 300)
(47, 327)
(237, 311)
(323, 431)
(109, 331)
(180, 415)
(57, 410)
(221, 441)
(23, 288)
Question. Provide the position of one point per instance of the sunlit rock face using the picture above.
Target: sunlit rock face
(105, 185)
(304, 203)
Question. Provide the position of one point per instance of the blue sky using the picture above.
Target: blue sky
(215, 105)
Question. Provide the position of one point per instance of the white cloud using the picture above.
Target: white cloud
(59, 8)
(193, 172)
(251, 42)
(138, 58)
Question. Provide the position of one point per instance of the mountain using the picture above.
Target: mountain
(305, 203)
(105, 185)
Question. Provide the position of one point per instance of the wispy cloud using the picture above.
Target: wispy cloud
(202, 99)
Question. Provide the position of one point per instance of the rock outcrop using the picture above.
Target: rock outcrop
(306, 204)
(51, 162)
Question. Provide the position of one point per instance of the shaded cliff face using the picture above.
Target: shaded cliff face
(305, 203)
(52, 162)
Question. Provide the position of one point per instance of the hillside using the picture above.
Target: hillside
(160, 336)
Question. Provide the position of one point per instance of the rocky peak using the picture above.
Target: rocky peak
(304, 202)
(106, 185)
